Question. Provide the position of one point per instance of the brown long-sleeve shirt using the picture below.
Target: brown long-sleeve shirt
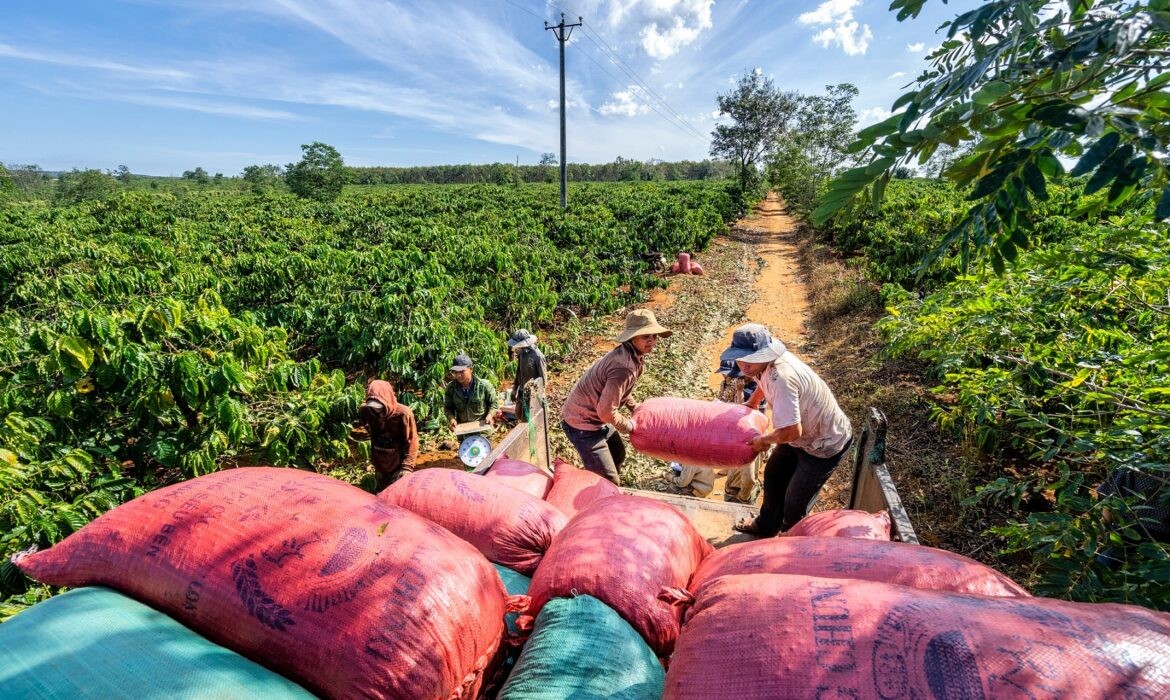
(606, 386)
(394, 427)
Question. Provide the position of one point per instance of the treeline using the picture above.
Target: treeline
(29, 181)
(620, 170)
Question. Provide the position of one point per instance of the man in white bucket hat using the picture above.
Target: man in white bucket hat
(590, 415)
(810, 433)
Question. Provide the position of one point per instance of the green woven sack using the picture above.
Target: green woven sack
(97, 643)
(580, 648)
(516, 584)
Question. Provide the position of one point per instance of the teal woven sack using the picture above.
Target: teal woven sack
(516, 584)
(97, 643)
(580, 648)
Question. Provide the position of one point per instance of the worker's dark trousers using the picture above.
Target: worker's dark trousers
(602, 451)
(792, 480)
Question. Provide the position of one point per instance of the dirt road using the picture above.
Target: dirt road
(780, 299)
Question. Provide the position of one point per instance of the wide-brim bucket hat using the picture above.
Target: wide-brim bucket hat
(642, 322)
(522, 338)
(751, 342)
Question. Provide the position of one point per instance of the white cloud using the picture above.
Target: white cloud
(916, 47)
(898, 74)
(665, 27)
(873, 115)
(626, 103)
(844, 31)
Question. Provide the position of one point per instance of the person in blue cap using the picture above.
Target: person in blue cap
(810, 431)
(468, 397)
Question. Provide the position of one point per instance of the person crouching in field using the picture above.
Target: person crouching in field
(590, 415)
(469, 398)
(393, 433)
(811, 432)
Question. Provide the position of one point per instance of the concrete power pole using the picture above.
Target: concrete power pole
(562, 32)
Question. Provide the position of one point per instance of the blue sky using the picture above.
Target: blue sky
(165, 86)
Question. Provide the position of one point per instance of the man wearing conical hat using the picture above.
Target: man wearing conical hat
(590, 415)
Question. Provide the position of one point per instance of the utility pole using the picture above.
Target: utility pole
(562, 32)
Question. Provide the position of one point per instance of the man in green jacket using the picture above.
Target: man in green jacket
(469, 398)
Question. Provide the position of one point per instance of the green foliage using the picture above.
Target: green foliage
(261, 178)
(1030, 82)
(84, 185)
(811, 148)
(1063, 361)
(8, 188)
(759, 115)
(198, 175)
(320, 174)
(544, 171)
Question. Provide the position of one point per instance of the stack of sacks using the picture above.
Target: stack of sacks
(575, 488)
(805, 636)
(685, 266)
(699, 433)
(310, 576)
(839, 557)
(509, 526)
(858, 524)
(623, 550)
(521, 475)
(516, 585)
(95, 642)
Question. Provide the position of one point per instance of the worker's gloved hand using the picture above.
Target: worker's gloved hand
(451, 424)
(759, 444)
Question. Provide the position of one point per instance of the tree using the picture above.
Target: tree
(548, 159)
(812, 149)
(84, 185)
(261, 178)
(123, 175)
(27, 177)
(8, 187)
(199, 175)
(759, 114)
(320, 174)
(1030, 82)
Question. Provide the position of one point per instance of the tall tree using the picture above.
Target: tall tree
(759, 114)
(261, 178)
(320, 174)
(813, 147)
(1031, 82)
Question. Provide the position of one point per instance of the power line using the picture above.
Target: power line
(638, 96)
(617, 60)
(520, 7)
(677, 119)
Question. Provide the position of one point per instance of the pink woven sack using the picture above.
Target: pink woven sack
(508, 526)
(622, 550)
(697, 433)
(859, 524)
(575, 488)
(310, 576)
(807, 637)
(843, 557)
(521, 475)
